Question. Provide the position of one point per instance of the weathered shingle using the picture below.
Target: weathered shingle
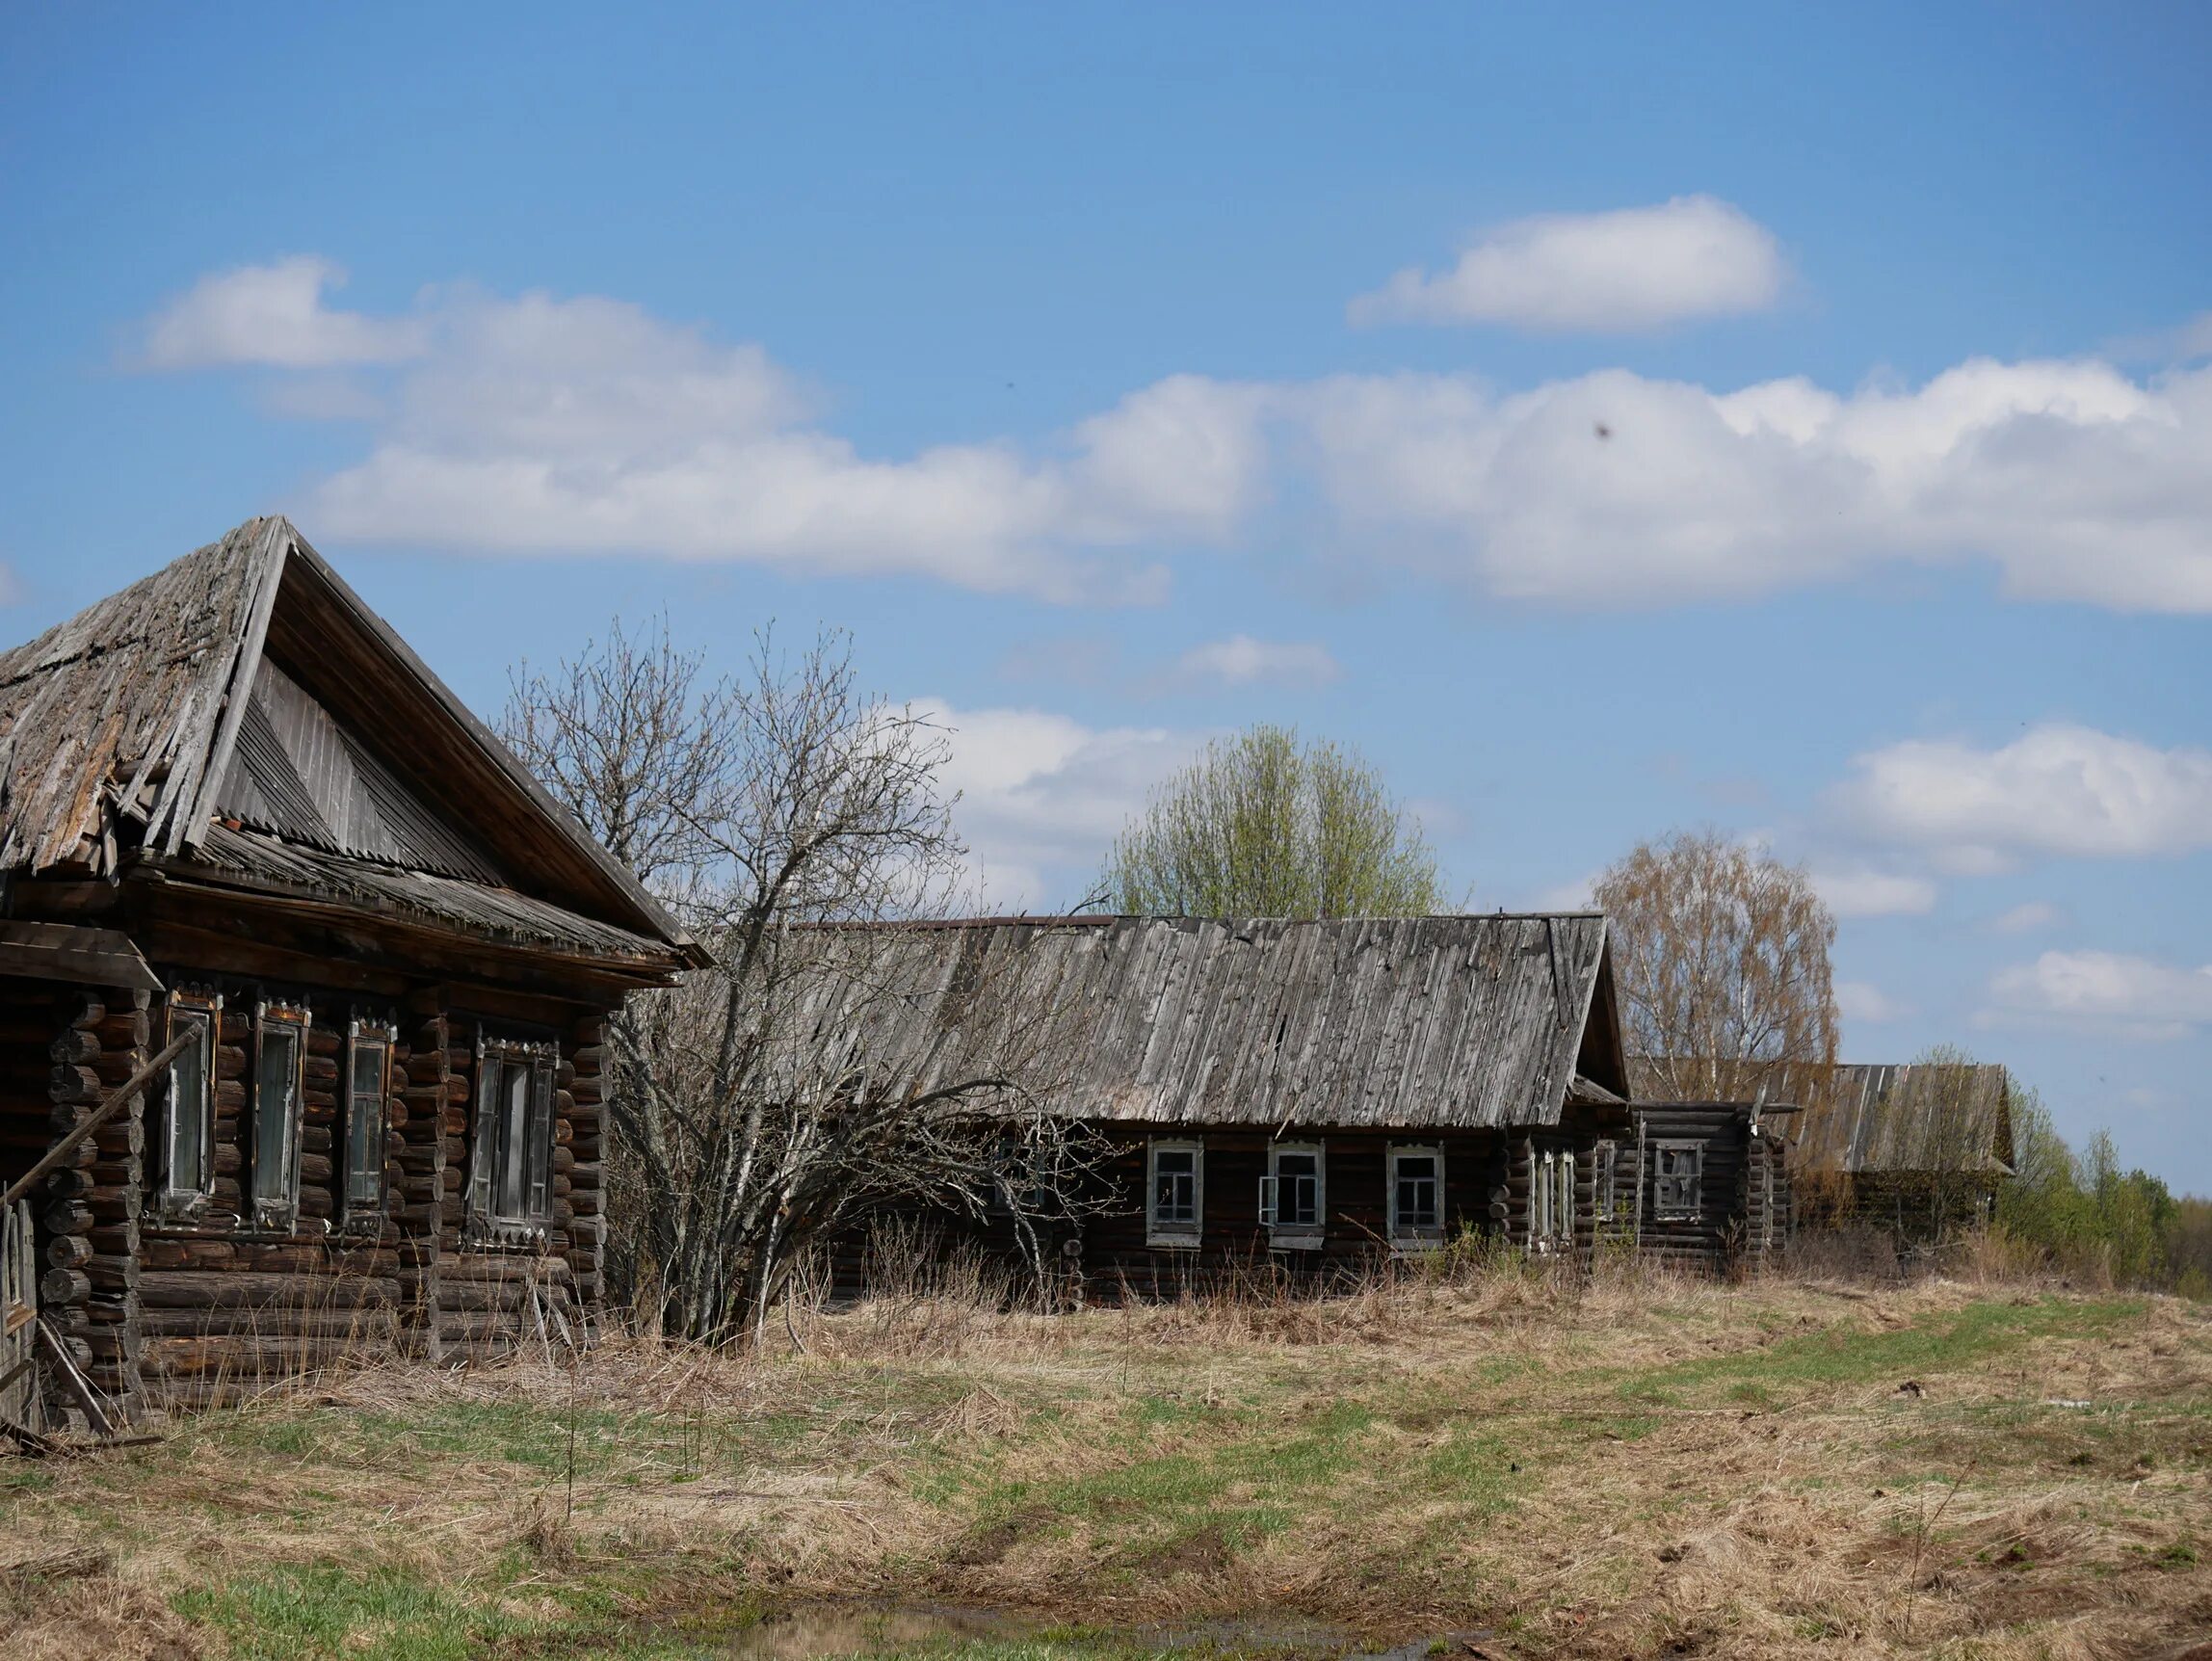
(1459, 1021)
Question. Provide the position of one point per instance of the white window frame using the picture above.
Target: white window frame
(1404, 1237)
(1293, 1237)
(1539, 1192)
(511, 1190)
(1562, 1212)
(176, 1202)
(1176, 1235)
(1670, 1212)
(271, 1184)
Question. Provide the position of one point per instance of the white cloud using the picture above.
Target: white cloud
(1861, 1001)
(1240, 660)
(538, 424)
(2027, 919)
(2058, 789)
(274, 314)
(1613, 489)
(1632, 269)
(2112, 991)
(1863, 893)
(590, 426)
(1042, 795)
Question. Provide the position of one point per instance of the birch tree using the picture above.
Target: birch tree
(1261, 825)
(1722, 953)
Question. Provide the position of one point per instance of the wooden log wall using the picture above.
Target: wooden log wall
(89, 1230)
(1716, 1238)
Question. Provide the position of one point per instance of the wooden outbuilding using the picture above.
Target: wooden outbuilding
(1917, 1149)
(1311, 1094)
(1716, 1186)
(246, 834)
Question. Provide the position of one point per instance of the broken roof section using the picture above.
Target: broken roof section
(1454, 1023)
(246, 687)
(1921, 1116)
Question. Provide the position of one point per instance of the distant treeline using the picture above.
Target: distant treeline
(2081, 1214)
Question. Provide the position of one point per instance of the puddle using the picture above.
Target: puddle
(819, 1632)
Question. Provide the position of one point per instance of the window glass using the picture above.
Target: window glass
(1176, 1185)
(510, 1192)
(190, 1163)
(1298, 1190)
(1414, 1198)
(276, 1122)
(365, 1124)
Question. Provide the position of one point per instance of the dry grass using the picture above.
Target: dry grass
(1637, 1467)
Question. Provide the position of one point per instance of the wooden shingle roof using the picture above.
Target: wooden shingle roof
(1920, 1117)
(1425, 1022)
(246, 688)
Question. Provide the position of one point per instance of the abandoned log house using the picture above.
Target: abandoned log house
(1313, 1093)
(1916, 1150)
(246, 835)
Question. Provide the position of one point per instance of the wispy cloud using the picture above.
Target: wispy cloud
(2105, 991)
(1864, 893)
(274, 315)
(2057, 789)
(1630, 270)
(2027, 919)
(1865, 1004)
(1240, 660)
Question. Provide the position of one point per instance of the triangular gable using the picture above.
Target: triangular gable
(145, 717)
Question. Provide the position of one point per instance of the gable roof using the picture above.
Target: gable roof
(119, 729)
(1426, 1022)
(1922, 1117)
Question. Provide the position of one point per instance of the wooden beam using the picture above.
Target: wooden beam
(80, 956)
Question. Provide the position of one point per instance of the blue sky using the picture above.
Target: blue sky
(1795, 421)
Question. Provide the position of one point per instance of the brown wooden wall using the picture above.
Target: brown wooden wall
(1743, 1204)
(167, 1313)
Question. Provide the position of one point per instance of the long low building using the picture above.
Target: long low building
(1312, 1093)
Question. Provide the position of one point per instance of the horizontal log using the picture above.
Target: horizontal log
(113, 1273)
(242, 1289)
(68, 1251)
(63, 1286)
(368, 1325)
(177, 1358)
(493, 1266)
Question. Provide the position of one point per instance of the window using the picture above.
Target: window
(368, 1083)
(272, 1150)
(187, 1149)
(1290, 1197)
(1562, 1209)
(1675, 1173)
(1417, 1196)
(1540, 1194)
(1177, 1207)
(511, 1156)
(1604, 1161)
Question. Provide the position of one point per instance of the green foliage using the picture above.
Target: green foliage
(2082, 1215)
(1260, 825)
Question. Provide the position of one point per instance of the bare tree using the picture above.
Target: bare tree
(1724, 971)
(1263, 827)
(799, 829)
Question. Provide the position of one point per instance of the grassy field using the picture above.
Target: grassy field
(1635, 1468)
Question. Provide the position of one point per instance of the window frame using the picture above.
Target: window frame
(500, 1061)
(1174, 1235)
(276, 1213)
(1293, 1237)
(1413, 1238)
(1541, 1193)
(188, 1205)
(364, 1033)
(1563, 1208)
(1604, 1172)
(1691, 1210)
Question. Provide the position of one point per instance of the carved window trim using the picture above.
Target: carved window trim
(511, 1142)
(1412, 1233)
(1180, 1223)
(1292, 1232)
